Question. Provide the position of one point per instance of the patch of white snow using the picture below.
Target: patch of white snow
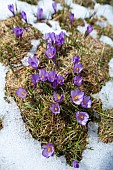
(78, 10)
(106, 40)
(106, 11)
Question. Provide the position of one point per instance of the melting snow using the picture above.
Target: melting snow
(106, 40)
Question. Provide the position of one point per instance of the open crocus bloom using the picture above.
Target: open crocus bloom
(48, 150)
(55, 108)
(21, 92)
(82, 117)
(58, 98)
(77, 96)
(75, 164)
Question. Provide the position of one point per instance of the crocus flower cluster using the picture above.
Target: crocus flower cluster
(52, 77)
(78, 67)
(22, 14)
(53, 43)
(18, 31)
(55, 107)
(77, 96)
(55, 40)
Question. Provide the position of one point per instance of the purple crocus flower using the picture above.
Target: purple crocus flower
(55, 108)
(76, 59)
(82, 117)
(77, 96)
(11, 8)
(40, 13)
(59, 40)
(60, 80)
(54, 5)
(48, 150)
(75, 164)
(78, 80)
(43, 75)
(21, 92)
(33, 62)
(71, 16)
(50, 38)
(18, 31)
(58, 98)
(78, 68)
(52, 76)
(50, 52)
(54, 84)
(23, 16)
(89, 29)
(35, 78)
(86, 103)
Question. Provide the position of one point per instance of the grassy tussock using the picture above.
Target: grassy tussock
(68, 137)
(12, 50)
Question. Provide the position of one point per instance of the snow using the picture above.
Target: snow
(106, 95)
(78, 10)
(98, 155)
(18, 150)
(111, 67)
(102, 24)
(106, 40)
(31, 11)
(106, 11)
(35, 44)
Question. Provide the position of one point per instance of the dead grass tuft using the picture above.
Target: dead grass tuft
(106, 126)
(32, 2)
(1, 125)
(12, 50)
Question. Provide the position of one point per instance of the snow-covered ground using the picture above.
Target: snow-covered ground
(18, 150)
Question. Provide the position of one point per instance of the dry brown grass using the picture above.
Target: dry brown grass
(106, 127)
(32, 2)
(107, 31)
(110, 2)
(12, 50)
(1, 125)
